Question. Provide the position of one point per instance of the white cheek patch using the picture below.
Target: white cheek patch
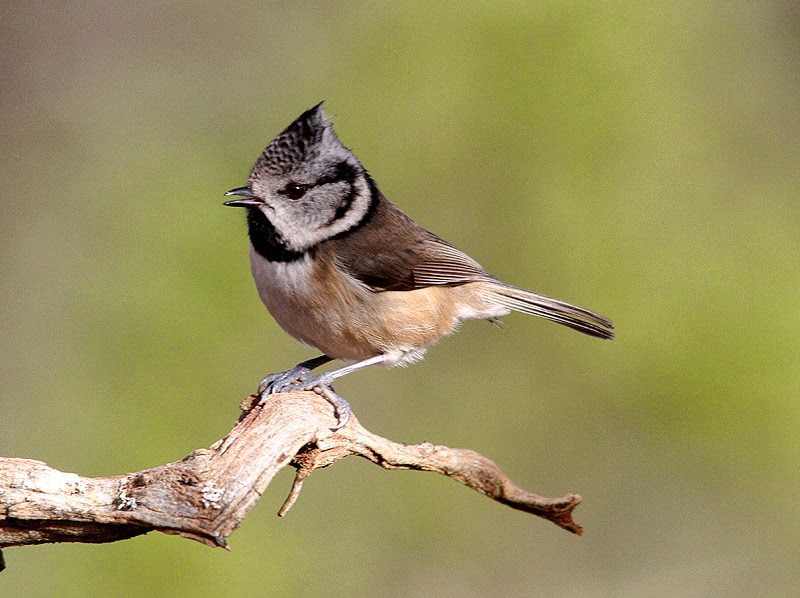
(295, 229)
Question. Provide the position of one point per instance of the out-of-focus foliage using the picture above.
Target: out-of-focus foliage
(641, 159)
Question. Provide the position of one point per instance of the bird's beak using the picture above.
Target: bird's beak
(249, 199)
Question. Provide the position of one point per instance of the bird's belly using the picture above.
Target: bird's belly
(344, 319)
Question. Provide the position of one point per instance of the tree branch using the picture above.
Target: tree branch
(206, 495)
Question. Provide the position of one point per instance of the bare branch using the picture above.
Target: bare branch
(206, 495)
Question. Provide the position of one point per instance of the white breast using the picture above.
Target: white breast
(279, 285)
(276, 278)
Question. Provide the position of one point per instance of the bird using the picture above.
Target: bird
(344, 270)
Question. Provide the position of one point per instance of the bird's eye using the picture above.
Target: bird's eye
(294, 190)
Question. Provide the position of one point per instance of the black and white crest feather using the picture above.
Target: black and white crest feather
(300, 142)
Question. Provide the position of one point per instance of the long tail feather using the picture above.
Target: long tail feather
(574, 317)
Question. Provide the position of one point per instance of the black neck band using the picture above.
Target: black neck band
(265, 239)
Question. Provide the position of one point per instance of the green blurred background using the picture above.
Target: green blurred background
(639, 159)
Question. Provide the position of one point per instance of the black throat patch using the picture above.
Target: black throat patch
(266, 240)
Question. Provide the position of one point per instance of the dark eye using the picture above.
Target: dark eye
(294, 190)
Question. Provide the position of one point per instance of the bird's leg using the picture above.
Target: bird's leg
(300, 378)
(327, 378)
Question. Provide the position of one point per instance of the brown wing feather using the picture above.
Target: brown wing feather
(391, 252)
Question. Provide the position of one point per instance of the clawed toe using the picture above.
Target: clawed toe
(340, 407)
(293, 379)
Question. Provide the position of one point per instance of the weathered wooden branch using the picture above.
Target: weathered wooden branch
(206, 495)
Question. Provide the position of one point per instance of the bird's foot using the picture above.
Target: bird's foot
(292, 379)
(300, 378)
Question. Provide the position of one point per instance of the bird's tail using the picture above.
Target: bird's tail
(528, 302)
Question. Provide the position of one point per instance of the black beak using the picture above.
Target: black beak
(249, 200)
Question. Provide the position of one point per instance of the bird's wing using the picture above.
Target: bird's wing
(442, 264)
(409, 264)
(428, 261)
(391, 252)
